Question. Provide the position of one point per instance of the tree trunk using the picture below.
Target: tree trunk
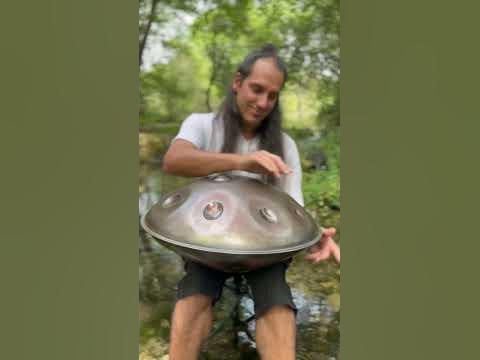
(143, 42)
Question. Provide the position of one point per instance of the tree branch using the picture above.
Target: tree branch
(143, 42)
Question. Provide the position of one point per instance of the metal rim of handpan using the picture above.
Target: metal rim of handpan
(245, 222)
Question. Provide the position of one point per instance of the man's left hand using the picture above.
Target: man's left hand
(325, 248)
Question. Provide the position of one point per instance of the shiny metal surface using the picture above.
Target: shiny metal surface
(231, 223)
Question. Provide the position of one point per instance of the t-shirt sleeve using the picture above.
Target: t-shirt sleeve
(292, 184)
(193, 129)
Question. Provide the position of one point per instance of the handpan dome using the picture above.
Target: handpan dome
(231, 223)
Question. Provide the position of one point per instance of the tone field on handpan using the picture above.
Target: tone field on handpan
(231, 223)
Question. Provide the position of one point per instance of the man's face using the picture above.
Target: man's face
(258, 93)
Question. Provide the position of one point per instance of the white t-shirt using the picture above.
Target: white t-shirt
(206, 133)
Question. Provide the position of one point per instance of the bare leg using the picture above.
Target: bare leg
(191, 324)
(275, 334)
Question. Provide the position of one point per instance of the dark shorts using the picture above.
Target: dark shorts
(268, 285)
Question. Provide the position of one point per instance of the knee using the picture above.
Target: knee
(277, 316)
(279, 311)
(192, 314)
(282, 311)
(198, 301)
(277, 324)
(193, 305)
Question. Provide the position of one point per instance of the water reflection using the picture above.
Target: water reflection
(315, 289)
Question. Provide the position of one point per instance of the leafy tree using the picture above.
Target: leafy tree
(156, 14)
(305, 31)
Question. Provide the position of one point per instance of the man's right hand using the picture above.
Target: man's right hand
(264, 162)
(184, 159)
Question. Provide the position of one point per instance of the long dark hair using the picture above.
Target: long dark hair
(270, 130)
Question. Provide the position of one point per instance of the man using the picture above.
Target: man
(244, 138)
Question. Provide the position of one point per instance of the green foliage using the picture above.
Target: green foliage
(299, 132)
(205, 56)
(172, 91)
(321, 188)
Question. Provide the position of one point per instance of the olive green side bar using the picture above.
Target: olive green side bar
(409, 112)
(69, 189)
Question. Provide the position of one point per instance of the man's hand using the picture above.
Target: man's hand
(264, 162)
(325, 248)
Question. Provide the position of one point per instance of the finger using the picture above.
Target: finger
(329, 232)
(320, 253)
(311, 257)
(263, 165)
(281, 164)
(317, 257)
(269, 165)
(336, 254)
(314, 248)
(335, 251)
(278, 161)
